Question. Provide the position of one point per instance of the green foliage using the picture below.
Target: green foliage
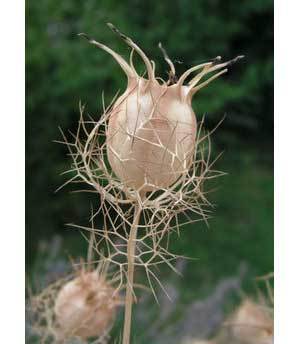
(61, 69)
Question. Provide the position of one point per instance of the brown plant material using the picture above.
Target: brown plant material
(159, 210)
(85, 307)
(82, 306)
(152, 127)
(148, 161)
(252, 323)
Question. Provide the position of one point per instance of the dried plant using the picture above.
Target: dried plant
(252, 322)
(148, 161)
(79, 307)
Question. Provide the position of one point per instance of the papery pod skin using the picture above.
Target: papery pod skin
(151, 135)
(85, 306)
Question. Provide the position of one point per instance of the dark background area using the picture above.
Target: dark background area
(62, 69)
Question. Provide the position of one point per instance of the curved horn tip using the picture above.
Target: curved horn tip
(239, 57)
(110, 25)
(236, 59)
(84, 35)
(115, 30)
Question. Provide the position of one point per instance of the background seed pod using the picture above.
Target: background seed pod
(85, 306)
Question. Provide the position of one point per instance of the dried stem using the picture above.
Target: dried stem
(129, 287)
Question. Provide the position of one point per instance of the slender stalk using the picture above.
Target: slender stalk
(129, 287)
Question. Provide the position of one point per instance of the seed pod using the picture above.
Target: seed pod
(85, 307)
(253, 323)
(152, 127)
(151, 135)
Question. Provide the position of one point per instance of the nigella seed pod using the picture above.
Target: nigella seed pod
(85, 306)
(253, 323)
(151, 135)
(152, 127)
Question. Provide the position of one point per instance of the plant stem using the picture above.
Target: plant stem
(129, 287)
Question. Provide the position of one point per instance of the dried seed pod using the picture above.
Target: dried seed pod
(85, 307)
(151, 135)
(253, 323)
(152, 127)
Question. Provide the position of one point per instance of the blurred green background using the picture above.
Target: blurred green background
(62, 69)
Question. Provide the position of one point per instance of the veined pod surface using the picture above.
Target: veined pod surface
(85, 306)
